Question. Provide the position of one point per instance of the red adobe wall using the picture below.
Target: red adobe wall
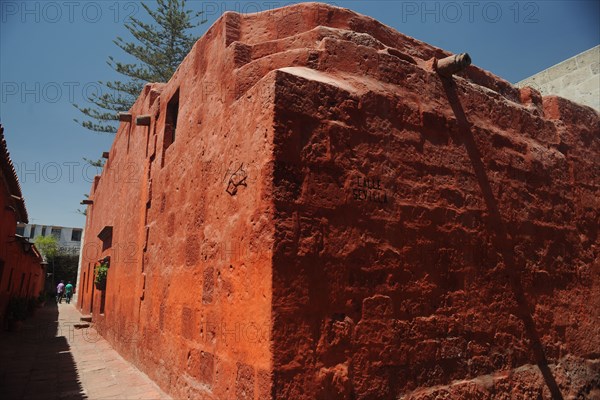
(189, 291)
(399, 234)
(21, 274)
(471, 257)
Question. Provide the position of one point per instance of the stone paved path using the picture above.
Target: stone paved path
(51, 359)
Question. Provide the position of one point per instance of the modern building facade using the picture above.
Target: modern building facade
(69, 238)
(22, 273)
(576, 79)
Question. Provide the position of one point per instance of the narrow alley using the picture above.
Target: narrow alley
(54, 357)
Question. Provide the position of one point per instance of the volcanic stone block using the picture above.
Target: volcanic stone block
(244, 385)
(208, 285)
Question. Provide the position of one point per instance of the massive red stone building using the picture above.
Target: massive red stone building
(21, 271)
(308, 210)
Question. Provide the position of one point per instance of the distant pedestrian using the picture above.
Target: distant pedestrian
(60, 291)
(69, 292)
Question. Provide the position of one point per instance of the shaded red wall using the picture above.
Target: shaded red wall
(354, 226)
(433, 233)
(21, 274)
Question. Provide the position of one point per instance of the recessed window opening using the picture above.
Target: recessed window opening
(56, 232)
(171, 120)
(9, 287)
(76, 235)
(1, 272)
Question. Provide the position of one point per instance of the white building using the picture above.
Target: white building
(576, 79)
(69, 239)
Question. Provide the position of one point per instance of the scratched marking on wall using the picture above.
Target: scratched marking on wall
(369, 189)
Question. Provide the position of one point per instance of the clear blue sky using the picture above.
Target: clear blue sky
(52, 52)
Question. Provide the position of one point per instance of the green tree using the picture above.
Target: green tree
(64, 262)
(65, 266)
(159, 46)
(84, 211)
(47, 245)
(95, 163)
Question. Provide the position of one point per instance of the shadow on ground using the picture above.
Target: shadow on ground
(37, 362)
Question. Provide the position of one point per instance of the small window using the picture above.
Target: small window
(106, 236)
(21, 230)
(102, 301)
(44, 230)
(87, 283)
(171, 120)
(1, 272)
(76, 235)
(56, 233)
(32, 232)
(22, 282)
(9, 280)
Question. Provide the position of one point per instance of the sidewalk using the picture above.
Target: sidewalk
(50, 359)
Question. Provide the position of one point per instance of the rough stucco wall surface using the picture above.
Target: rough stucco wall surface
(397, 234)
(188, 293)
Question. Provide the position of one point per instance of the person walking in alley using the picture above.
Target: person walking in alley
(68, 292)
(60, 291)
